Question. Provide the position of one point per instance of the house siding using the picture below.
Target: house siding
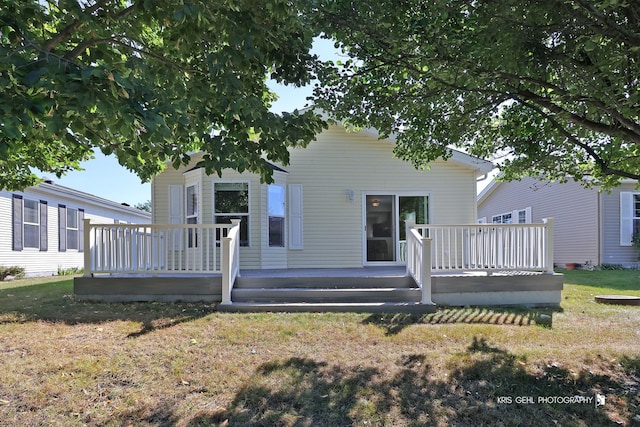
(613, 252)
(334, 164)
(37, 262)
(575, 209)
(333, 230)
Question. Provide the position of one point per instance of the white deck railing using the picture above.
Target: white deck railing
(155, 248)
(477, 247)
(419, 262)
(491, 247)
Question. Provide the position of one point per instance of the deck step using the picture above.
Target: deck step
(385, 307)
(327, 282)
(317, 295)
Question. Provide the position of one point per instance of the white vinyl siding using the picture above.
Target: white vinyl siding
(338, 168)
(47, 259)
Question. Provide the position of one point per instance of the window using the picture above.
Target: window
(192, 213)
(231, 201)
(629, 217)
(31, 224)
(521, 216)
(29, 219)
(72, 228)
(501, 219)
(276, 208)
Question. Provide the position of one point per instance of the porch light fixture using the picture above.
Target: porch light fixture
(375, 203)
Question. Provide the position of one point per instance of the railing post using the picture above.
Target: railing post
(236, 251)
(226, 270)
(426, 271)
(408, 227)
(87, 247)
(549, 222)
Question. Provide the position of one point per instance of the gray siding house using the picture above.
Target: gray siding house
(589, 225)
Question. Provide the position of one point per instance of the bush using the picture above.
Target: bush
(14, 271)
(69, 271)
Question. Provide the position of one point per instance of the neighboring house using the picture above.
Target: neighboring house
(589, 225)
(41, 228)
(343, 201)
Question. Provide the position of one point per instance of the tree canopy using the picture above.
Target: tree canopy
(551, 86)
(148, 81)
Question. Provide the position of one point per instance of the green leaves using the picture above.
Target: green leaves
(149, 82)
(553, 86)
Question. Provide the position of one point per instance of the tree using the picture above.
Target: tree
(143, 206)
(148, 81)
(551, 86)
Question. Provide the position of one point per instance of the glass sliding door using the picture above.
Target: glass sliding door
(386, 225)
(380, 228)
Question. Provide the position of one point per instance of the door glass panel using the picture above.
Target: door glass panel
(380, 228)
(412, 208)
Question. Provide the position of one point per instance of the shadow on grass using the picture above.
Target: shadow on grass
(520, 316)
(54, 302)
(486, 385)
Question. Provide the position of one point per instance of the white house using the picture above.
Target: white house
(343, 201)
(41, 228)
(330, 233)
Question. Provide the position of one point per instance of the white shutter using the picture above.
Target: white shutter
(528, 215)
(626, 218)
(176, 203)
(295, 217)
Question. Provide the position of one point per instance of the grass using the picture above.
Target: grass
(67, 363)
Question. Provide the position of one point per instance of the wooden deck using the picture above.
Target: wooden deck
(370, 289)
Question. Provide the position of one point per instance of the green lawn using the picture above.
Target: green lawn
(66, 363)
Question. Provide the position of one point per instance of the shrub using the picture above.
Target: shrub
(69, 271)
(13, 271)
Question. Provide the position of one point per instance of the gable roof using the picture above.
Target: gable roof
(49, 187)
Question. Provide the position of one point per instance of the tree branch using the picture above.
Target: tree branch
(602, 164)
(70, 28)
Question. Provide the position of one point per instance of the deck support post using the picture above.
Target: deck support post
(87, 247)
(549, 260)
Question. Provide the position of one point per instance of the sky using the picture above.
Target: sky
(104, 177)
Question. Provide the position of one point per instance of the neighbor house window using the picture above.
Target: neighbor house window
(276, 201)
(521, 216)
(231, 201)
(70, 228)
(29, 224)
